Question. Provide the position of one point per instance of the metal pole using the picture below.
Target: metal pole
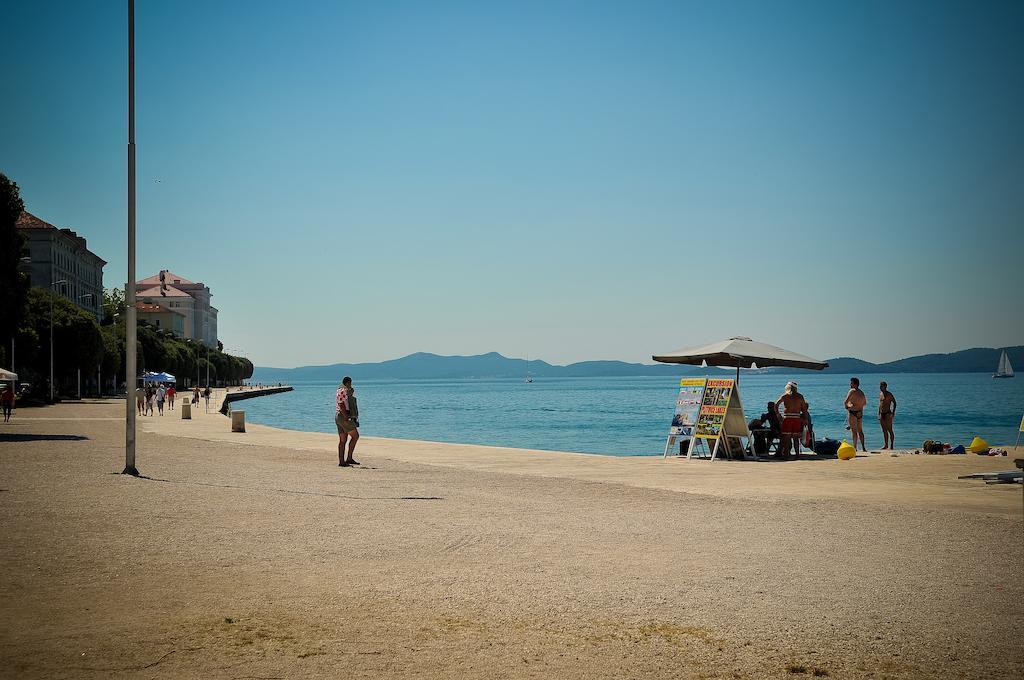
(131, 332)
(51, 343)
(79, 384)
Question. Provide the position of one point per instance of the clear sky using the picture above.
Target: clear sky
(564, 180)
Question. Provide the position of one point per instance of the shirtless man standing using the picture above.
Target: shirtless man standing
(855, 403)
(794, 414)
(886, 414)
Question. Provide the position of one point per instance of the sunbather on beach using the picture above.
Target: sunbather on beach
(794, 412)
(855, 403)
(886, 414)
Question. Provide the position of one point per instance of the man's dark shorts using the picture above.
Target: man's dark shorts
(344, 426)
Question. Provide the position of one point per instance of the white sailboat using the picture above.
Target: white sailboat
(1005, 370)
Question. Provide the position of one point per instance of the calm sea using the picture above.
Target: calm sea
(631, 416)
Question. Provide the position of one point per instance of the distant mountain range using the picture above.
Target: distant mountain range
(423, 365)
(977, 360)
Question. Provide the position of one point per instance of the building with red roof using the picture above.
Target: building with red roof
(160, 317)
(190, 299)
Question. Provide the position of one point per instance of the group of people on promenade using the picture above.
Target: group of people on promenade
(789, 417)
(155, 395)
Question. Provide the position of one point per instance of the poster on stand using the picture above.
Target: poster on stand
(688, 404)
(714, 407)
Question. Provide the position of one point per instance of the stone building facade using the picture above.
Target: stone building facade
(188, 298)
(60, 255)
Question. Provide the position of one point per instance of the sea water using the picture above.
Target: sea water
(631, 416)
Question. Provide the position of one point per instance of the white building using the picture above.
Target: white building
(188, 298)
(60, 255)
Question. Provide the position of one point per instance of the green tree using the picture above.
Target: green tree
(77, 343)
(13, 284)
(112, 364)
(113, 305)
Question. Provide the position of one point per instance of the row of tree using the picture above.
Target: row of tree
(87, 352)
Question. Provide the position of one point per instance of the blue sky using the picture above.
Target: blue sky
(564, 180)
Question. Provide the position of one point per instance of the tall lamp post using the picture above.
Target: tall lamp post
(82, 297)
(131, 332)
(55, 283)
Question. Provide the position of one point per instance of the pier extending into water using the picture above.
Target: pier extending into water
(249, 393)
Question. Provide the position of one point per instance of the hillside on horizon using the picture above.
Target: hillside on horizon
(424, 365)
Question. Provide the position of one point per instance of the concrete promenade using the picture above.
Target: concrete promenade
(252, 555)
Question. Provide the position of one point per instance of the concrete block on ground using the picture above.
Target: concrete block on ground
(238, 421)
(186, 411)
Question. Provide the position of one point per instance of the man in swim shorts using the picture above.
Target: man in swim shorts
(794, 413)
(855, 403)
(346, 417)
(886, 414)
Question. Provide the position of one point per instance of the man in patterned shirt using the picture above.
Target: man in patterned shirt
(346, 414)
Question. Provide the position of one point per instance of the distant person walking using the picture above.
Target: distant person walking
(161, 396)
(346, 417)
(886, 414)
(140, 400)
(855, 403)
(7, 401)
(170, 396)
(195, 395)
(150, 400)
(795, 412)
(206, 396)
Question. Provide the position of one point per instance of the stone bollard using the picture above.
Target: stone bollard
(186, 410)
(238, 421)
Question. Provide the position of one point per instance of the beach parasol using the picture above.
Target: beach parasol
(742, 353)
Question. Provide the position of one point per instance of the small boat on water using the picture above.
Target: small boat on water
(1005, 370)
(529, 378)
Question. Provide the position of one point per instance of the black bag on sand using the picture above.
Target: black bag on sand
(826, 447)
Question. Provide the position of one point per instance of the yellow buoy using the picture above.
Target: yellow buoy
(978, 445)
(845, 451)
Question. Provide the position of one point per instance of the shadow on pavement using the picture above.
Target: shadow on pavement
(20, 437)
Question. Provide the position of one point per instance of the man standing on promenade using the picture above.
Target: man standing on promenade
(855, 403)
(795, 413)
(140, 399)
(886, 414)
(346, 415)
(170, 396)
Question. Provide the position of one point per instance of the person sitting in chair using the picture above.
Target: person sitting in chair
(766, 429)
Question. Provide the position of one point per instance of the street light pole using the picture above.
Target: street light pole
(131, 332)
(55, 283)
(82, 297)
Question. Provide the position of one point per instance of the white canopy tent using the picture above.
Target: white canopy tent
(6, 375)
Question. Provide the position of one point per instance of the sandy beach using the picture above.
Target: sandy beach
(252, 555)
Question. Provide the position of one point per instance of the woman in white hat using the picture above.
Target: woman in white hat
(794, 414)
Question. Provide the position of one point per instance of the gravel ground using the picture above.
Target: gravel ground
(234, 560)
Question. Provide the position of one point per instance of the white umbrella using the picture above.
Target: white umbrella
(742, 353)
